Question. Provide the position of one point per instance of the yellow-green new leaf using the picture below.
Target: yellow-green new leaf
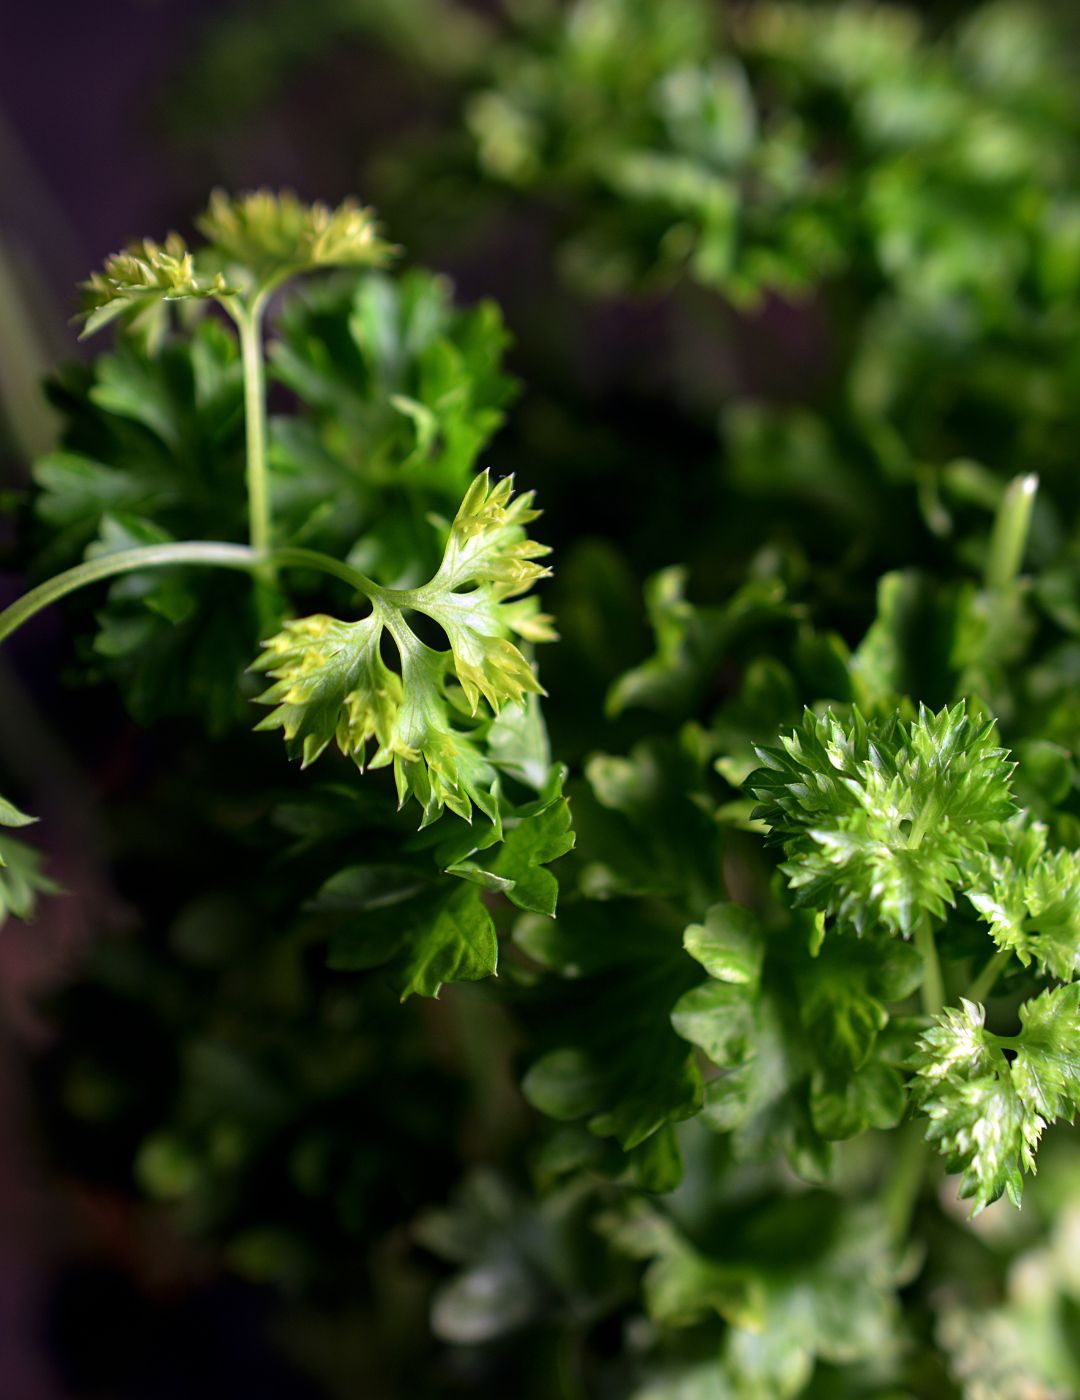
(489, 559)
(144, 273)
(331, 682)
(272, 235)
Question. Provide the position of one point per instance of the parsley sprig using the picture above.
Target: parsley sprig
(459, 726)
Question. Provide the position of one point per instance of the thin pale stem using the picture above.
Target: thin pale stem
(288, 557)
(1009, 537)
(933, 985)
(209, 553)
(249, 322)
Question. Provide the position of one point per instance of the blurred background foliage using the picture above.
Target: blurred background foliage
(780, 294)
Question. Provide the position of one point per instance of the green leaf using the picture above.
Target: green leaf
(402, 909)
(156, 433)
(21, 875)
(796, 1031)
(728, 945)
(11, 816)
(353, 475)
(797, 1282)
(843, 1106)
(691, 642)
(433, 931)
(908, 647)
(459, 945)
(626, 1086)
(643, 829)
(516, 1256)
(537, 835)
(168, 422)
(988, 1108)
(175, 640)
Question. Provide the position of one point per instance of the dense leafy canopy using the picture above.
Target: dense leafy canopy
(819, 852)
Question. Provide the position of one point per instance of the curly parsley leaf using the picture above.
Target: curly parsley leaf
(1030, 897)
(881, 820)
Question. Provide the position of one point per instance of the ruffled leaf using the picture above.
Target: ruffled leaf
(882, 821)
(1030, 897)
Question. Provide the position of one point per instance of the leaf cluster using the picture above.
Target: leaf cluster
(881, 822)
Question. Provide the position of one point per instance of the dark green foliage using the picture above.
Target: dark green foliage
(815, 906)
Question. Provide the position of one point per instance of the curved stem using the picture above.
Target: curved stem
(984, 984)
(289, 557)
(211, 553)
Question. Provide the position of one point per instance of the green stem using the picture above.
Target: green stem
(905, 1178)
(289, 557)
(933, 986)
(921, 825)
(1008, 539)
(249, 322)
(212, 553)
(983, 985)
(904, 1181)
